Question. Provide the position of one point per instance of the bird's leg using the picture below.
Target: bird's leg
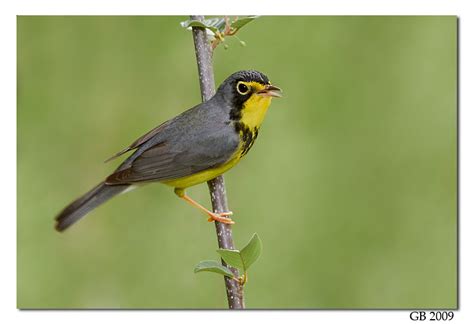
(218, 217)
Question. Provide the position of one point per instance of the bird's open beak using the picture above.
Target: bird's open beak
(270, 91)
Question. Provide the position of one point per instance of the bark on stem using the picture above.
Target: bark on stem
(202, 47)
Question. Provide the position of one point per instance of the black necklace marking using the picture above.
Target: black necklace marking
(247, 135)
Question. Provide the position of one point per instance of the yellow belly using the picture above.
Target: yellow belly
(202, 176)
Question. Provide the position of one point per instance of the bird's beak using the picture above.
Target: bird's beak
(270, 91)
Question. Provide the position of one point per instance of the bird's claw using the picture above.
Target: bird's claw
(221, 217)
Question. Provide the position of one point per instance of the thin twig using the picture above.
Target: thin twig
(234, 290)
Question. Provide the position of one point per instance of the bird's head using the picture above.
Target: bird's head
(242, 85)
(250, 93)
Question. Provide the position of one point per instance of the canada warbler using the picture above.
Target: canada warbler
(193, 147)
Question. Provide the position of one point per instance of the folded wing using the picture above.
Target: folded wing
(173, 159)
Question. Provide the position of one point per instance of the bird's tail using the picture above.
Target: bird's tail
(81, 206)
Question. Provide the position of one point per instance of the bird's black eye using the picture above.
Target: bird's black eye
(242, 88)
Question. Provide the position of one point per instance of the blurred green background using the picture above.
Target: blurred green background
(351, 185)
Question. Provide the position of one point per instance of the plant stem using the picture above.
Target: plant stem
(235, 296)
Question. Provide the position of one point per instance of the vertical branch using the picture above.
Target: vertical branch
(225, 240)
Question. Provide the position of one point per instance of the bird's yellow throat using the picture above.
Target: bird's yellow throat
(255, 108)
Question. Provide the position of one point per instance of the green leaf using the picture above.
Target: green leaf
(232, 258)
(246, 257)
(213, 24)
(251, 252)
(218, 24)
(242, 21)
(213, 266)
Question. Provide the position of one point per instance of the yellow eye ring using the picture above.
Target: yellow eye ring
(242, 88)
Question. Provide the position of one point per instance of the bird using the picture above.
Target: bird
(196, 146)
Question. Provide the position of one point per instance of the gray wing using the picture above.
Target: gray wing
(140, 141)
(179, 156)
